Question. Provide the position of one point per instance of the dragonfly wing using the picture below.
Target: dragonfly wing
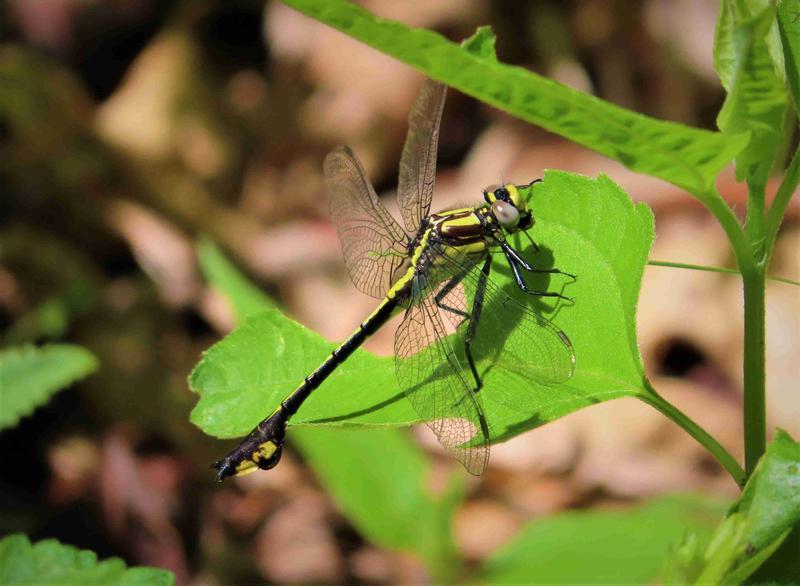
(373, 243)
(453, 302)
(510, 334)
(418, 162)
(435, 383)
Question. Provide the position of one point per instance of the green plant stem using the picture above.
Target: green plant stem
(705, 439)
(755, 416)
(756, 215)
(778, 208)
(753, 276)
(754, 280)
(733, 229)
(724, 271)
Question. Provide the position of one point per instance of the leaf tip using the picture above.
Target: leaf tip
(482, 43)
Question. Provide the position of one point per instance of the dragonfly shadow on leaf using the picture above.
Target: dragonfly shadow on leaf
(521, 356)
(530, 354)
(360, 412)
(543, 259)
(538, 418)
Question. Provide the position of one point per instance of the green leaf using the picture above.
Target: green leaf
(757, 97)
(724, 51)
(379, 479)
(600, 547)
(50, 562)
(782, 565)
(246, 375)
(586, 226)
(245, 297)
(731, 12)
(724, 561)
(29, 376)
(482, 43)
(756, 527)
(726, 545)
(377, 476)
(789, 30)
(755, 562)
(51, 318)
(687, 157)
(772, 495)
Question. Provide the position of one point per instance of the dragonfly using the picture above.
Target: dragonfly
(435, 271)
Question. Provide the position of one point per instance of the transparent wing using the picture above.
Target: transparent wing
(418, 162)
(436, 385)
(509, 334)
(454, 302)
(373, 243)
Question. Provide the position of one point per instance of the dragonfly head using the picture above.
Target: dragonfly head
(509, 205)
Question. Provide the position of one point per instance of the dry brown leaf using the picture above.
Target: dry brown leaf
(296, 544)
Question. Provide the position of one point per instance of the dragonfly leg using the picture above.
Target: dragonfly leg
(475, 316)
(515, 265)
(444, 291)
(513, 254)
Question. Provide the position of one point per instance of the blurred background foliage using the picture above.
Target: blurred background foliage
(131, 130)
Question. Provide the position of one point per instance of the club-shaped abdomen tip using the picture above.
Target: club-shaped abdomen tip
(223, 469)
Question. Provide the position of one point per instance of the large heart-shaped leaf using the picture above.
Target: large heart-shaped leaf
(586, 226)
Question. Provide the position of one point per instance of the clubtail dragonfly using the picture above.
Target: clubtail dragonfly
(436, 273)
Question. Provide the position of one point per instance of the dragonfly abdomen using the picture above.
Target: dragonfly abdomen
(262, 446)
(365, 329)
